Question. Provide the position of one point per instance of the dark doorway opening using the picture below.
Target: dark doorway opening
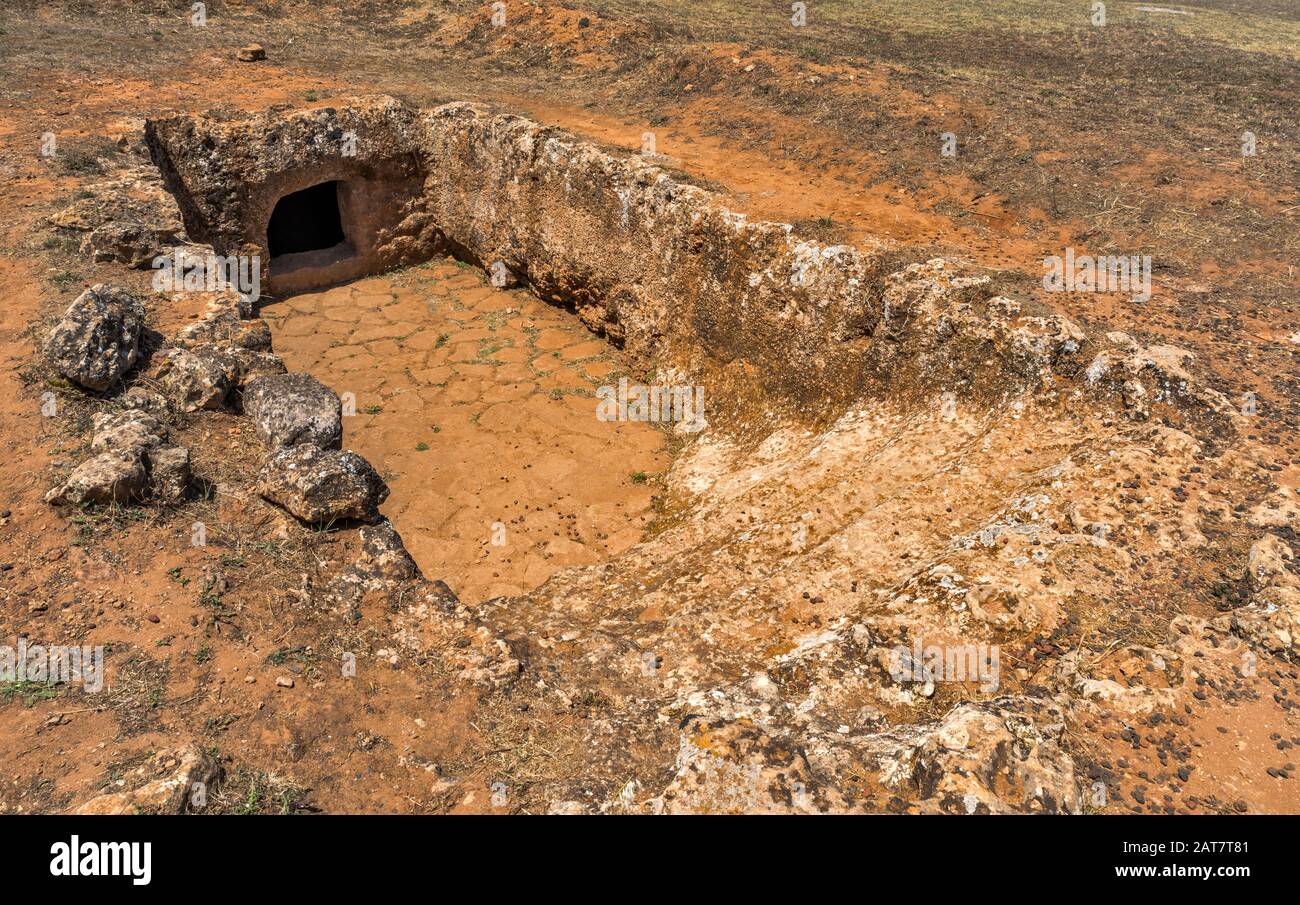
(305, 221)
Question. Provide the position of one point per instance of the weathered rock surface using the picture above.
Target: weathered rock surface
(170, 782)
(126, 431)
(98, 339)
(432, 621)
(294, 408)
(748, 654)
(322, 486)
(383, 555)
(198, 378)
(367, 148)
(666, 269)
(1271, 621)
(225, 330)
(129, 218)
(1268, 562)
(147, 401)
(254, 364)
(169, 473)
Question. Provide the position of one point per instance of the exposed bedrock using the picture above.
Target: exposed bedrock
(661, 267)
(916, 460)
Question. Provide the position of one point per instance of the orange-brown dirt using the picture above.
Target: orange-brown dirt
(197, 636)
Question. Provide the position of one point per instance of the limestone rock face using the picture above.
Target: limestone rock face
(289, 409)
(370, 148)
(665, 269)
(322, 486)
(170, 782)
(198, 378)
(128, 218)
(110, 477)
(99, 337)
(169, 473)
(132, 429)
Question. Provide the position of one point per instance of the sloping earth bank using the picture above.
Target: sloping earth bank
(735, 660)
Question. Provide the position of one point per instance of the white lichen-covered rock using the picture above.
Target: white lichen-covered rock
(127, 430)
(226, 321)
(146, 400)
(254, 364)
(1270, 622)
(990, 757)
(322, 485)
(289, 409)
(198, 378)
(735, 767)
(116, 476)
(982, 758)
(98, 339)
(431, 622)
(1145, 375)
(384, 556)
(1269, 561)
(1278, 510)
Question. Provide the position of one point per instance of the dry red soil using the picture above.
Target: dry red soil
(475, 403)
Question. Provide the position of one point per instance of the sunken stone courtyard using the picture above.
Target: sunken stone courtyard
(430, 457)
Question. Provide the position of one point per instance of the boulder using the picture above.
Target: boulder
(143, 400)
(383, 555)
(116, 476)
(253, 364)
(322, 485)
(251, 53)
(198, 378)
(98, 339)
(289, 409)
(223, 330)
(132, 430)
(169, 473)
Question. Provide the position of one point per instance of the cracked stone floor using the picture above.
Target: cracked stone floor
(477, 405)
